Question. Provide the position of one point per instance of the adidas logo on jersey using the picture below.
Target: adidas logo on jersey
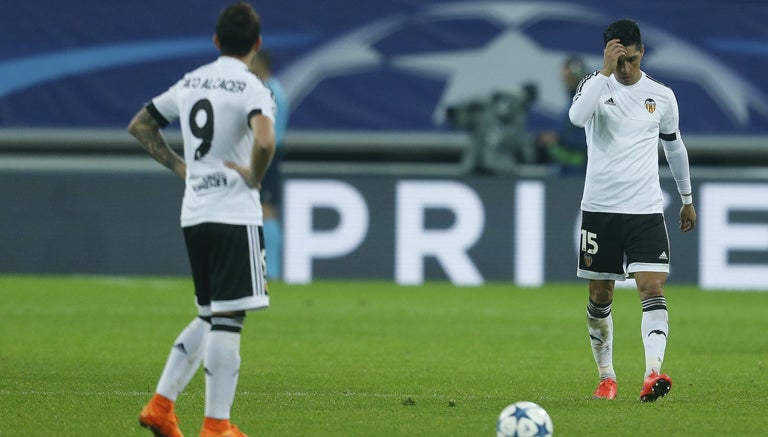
(610, 102)
(663, 256)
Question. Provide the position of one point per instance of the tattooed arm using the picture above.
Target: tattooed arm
(147, 131)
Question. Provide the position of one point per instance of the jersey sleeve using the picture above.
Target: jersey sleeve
(674, 148)
(671, 121)
(587, 98)
(165, 107)
(261, 102)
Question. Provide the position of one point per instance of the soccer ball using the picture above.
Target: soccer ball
(524, 419)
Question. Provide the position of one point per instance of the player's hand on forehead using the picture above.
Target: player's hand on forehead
(613, 51)
(615, 46)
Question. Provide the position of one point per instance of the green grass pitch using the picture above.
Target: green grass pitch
(79, 356)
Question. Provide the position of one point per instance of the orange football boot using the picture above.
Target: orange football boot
(606, 389)
(220, 428)
(655, 386)
(158, 417)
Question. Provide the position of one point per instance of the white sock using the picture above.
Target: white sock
(184, 359)
(600, 327)
(654, 328)
(222, 368)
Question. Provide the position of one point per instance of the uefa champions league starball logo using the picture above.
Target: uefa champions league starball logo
(515, 55)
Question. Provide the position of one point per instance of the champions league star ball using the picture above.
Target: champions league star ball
(524, 419)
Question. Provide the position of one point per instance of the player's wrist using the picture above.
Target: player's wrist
(687, 199)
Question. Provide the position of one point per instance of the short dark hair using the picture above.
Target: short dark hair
(626, 30)
(238, 28)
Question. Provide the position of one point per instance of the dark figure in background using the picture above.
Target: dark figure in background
(271, 186)
(496, 125)
(566, 147)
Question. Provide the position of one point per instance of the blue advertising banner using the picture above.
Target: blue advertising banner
(372, 65)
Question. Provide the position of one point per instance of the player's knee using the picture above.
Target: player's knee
(601, 292)
(230, 322)
(653, 290)
(650, 285)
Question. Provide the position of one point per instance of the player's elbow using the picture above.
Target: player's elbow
(265, 143)
(265, 147)
(133, 126)
(142, 122)
(673, 147)
(264, 133)
(577, 119)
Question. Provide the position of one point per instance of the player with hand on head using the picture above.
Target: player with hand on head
(625, 114)
(227, 123)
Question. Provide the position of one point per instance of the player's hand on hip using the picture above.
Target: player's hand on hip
(611, 54)
(181, 170)
(245, 173)
(687, 218)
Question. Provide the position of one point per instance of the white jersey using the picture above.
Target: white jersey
(214, 104)
(623, 124)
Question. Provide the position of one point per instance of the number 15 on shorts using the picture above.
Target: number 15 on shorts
(588, 242)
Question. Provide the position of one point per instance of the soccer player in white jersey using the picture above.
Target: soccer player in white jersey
(625, 114)
(227, 122)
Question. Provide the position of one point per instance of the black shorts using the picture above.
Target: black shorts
(606, 239)
(271, 185)
(228, 267)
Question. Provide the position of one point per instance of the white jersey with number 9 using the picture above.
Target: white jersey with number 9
(214, 104)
